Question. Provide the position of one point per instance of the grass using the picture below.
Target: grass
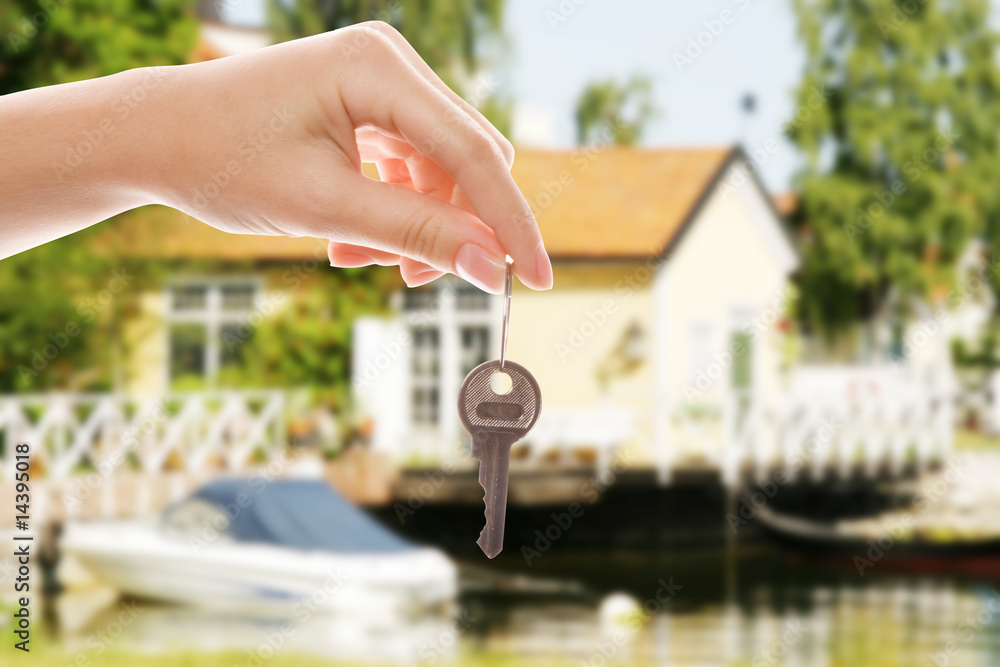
(51, 657)
(973, 441)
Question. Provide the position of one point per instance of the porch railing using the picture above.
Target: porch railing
(225, 430)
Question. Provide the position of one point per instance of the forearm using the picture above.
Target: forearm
(272, 142)
(75, 154)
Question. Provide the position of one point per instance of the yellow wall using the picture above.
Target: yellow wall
(723, 271)
(553, 335)
(146, 334)
(147, 346)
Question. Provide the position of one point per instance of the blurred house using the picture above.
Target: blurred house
(663, 341)
(671, 271)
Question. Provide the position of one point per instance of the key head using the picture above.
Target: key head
(482, 408)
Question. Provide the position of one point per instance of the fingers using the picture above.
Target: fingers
(403, 101)
(348, 256)
(417, 273)
(395, 222)
(409, 54)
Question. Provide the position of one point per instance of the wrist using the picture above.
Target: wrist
(136, 123)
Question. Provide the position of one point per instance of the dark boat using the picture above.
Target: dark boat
(896, 549)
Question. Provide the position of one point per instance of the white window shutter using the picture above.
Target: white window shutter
(380, 379)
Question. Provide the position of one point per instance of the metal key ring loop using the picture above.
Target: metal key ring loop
(507, 289)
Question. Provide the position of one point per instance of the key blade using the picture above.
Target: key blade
(492, 450)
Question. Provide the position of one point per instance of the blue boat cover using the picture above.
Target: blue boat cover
(300, 514)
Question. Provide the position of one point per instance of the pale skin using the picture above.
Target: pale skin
(272, 142)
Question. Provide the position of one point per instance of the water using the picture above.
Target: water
(683, 609)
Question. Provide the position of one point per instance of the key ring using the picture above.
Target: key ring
(507, 289)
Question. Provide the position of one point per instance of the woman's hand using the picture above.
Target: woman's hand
(272, 141)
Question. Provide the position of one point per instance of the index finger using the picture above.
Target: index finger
(392, 95)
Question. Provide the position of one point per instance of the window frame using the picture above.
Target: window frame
(449, 320)
(213, 317)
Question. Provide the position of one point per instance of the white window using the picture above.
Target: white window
(452, 328)
(207, 324)
(425, 367)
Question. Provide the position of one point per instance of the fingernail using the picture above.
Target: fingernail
(421, 278)
(481, 268)
(543, 267)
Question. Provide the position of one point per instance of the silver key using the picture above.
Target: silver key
(497, 419)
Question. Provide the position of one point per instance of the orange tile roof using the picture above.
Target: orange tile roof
(158, 232)
(615, 203)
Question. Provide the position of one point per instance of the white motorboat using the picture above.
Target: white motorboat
(292, 548)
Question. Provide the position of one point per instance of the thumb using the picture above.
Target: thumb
(396, 219)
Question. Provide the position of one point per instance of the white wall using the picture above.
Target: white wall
(730, 268)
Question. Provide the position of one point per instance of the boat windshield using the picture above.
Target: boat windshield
(198, 519)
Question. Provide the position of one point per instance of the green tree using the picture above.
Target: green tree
(59, 325)
(308, 342)
(456, 38)
(625, 108)
(898, 116)
(57, 41)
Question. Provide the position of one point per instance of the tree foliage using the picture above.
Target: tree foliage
(60, 306)
(58, 41)
(898, 116)
(456, 38)
(624, 108)
(308, 342)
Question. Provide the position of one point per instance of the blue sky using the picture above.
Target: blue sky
(750, 47)
(558, 46)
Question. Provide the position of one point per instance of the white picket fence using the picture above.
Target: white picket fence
(838, 419)
(153, 434)
(841, 419)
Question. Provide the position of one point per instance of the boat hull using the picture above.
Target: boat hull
(142, 561)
